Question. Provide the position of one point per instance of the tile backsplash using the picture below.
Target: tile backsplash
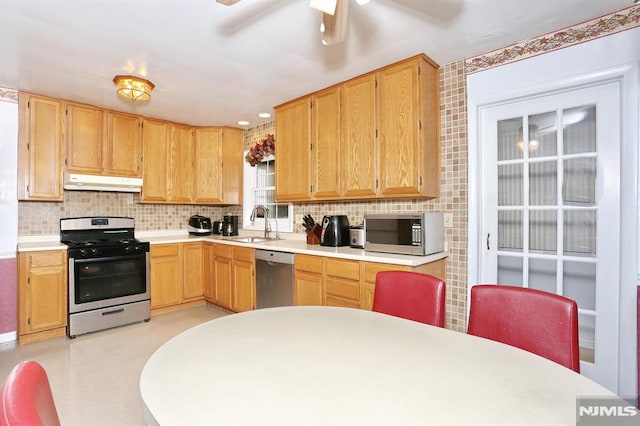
(38, 218)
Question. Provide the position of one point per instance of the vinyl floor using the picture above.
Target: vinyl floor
(95, 377)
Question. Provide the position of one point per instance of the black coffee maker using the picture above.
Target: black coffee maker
(229, 225)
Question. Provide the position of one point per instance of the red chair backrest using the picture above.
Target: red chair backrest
(27, 398)
(410, 295)
(536, 321)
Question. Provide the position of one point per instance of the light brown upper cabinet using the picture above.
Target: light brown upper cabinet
(84, 139)
(181, 164)
(191, 165)
(207, 152)
(308, 147)
(325, 144)
(293, 145)
(102, 142)
(124, 145)
(232, 165)
(409, 129)
(359, 153)
(155, 156)
(388, 130)
(40, 141)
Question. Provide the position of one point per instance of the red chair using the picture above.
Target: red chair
(410, 295)
(537, 321)
(27, 398)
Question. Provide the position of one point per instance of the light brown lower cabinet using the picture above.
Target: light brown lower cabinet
(234, 277)
(328, 281)
(309, 282)
(177, 275)
(42, 295)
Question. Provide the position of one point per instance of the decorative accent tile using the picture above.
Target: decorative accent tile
(609, 24)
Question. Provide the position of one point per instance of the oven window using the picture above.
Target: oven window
(107, 278)
(390, 231)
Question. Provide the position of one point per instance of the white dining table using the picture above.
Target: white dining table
(329, 365)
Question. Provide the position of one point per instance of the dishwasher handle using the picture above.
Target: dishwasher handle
(275, 256)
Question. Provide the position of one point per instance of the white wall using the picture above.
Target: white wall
(579, 64)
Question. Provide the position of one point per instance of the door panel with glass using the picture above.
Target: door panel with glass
(551, 202)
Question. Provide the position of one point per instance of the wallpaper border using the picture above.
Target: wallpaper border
(612, 23)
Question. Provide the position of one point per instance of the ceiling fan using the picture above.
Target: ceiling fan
(335, 17)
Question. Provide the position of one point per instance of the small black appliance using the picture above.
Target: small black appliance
(199, 225)
(335, 231)
(230, 225)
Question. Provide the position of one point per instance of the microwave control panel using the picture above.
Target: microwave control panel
(416, 232)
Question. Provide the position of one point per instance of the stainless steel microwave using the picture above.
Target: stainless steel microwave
(417, 234)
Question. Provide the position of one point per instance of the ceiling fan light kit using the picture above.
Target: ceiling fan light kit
(334, 27)
(324, 6)
(133, 88)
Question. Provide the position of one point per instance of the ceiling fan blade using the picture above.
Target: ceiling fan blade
(227, 2)
(335, 27)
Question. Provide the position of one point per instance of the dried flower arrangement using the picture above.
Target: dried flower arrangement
(261, 149)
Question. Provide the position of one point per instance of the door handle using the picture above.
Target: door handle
(488, 240)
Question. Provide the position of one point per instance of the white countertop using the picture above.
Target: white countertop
(327, 365)
(292, 243)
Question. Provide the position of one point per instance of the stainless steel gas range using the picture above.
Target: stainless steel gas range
(108, 273)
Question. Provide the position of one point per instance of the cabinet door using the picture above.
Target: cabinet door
(166, 275)
(399, 141)
(358, 144)
(193, 268)
(155, 145)
(223, 281)
(181, 164)
(124, 145)
(308, 288)
(370, 270)
(293, 158)
(84, 134)
(232, 165)
(40, 149)
(243, 286)
(208, 272)
(207, 157)
(43, 291)
(325, 141)
(223, 275)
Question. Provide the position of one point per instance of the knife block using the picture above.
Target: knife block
(313, 236)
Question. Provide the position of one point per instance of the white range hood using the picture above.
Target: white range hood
(80, 182)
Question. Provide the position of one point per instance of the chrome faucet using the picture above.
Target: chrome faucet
(265, 211)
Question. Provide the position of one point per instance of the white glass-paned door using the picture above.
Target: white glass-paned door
(551, 198)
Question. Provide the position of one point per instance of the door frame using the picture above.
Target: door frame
(556, 71)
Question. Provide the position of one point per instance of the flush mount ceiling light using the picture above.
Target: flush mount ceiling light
(264, 115)
(243, 123)
(133, 88)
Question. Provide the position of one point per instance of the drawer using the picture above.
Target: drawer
(338, 301)
(343, 288)
(371, 269)
(343, 268)
(223, 250)
(50, 258)
(308, 263)
(164, 250)
(246, 254)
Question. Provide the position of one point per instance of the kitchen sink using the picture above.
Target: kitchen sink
(251, 239)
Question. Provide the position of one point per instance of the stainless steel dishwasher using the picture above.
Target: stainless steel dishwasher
(274, 279)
